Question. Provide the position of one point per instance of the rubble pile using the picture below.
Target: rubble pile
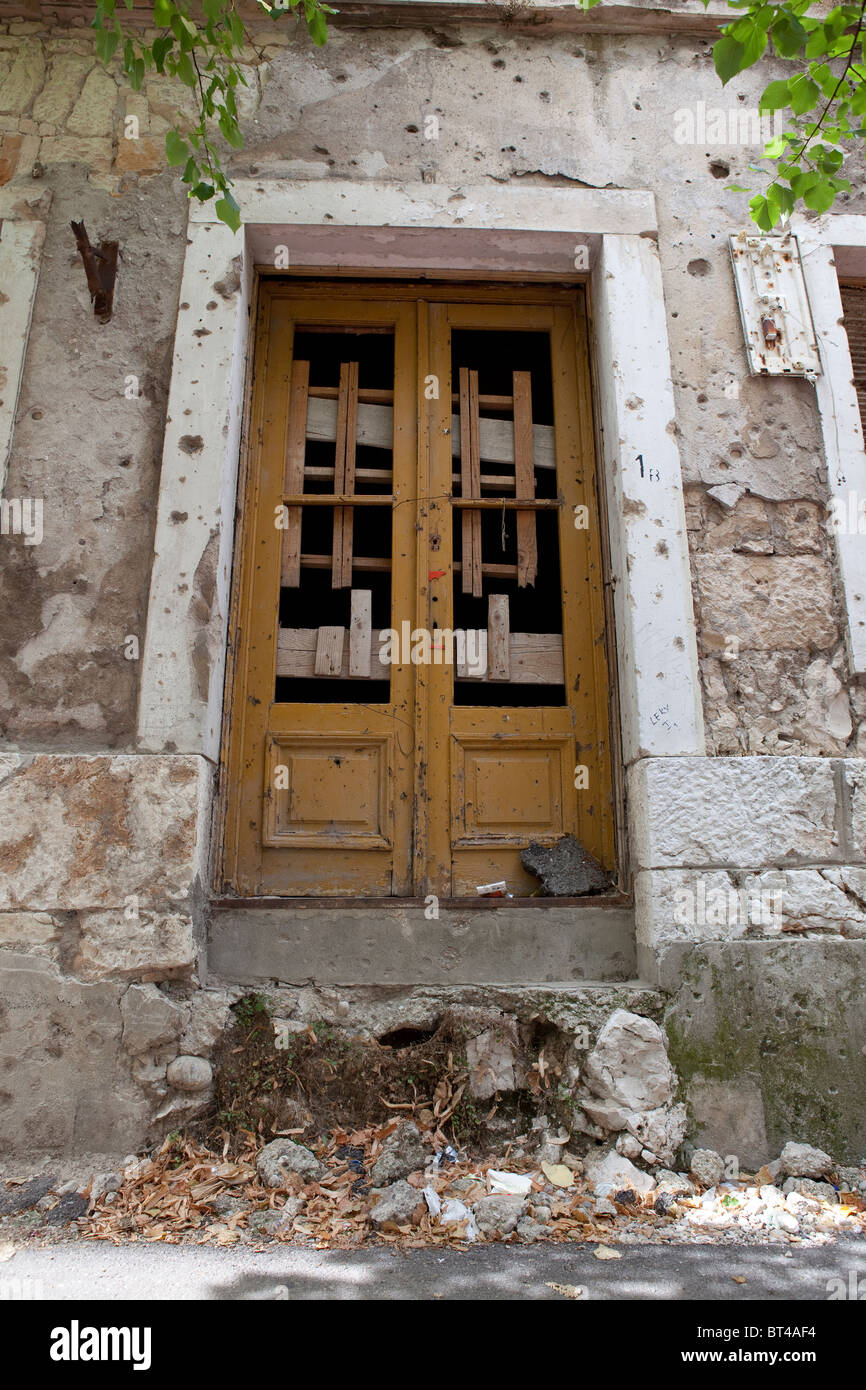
(606, 1163)
(388, 1185)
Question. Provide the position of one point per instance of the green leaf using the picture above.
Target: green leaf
(161, 48)
(764, 213)
(821, 196)
(775, 96)
(728, 56)
(228, 211)
(804, 94)
(162, 13)
(186, 71)
(106, 43)
(789, 35)
(318, 27)
(202, 191)
(229, 128)
(176, 150)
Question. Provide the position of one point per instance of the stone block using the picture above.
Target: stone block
(142, 156)
(93, 112)
(150, 1019)
(23, 79)
(90, 832)
(152, 945)
(54, 102)
(708, 812)
(775, 603)
(64, 1084)
(95, 154)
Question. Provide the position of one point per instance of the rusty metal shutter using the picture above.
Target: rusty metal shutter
(854, 308)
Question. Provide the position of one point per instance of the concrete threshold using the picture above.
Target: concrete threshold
(393, 943)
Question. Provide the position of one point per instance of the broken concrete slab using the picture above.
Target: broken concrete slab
(566, 869)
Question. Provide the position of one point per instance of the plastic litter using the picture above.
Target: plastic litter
(454, 1212)
(509, 1184)
(492, 890)
(433, 1200)
(446, 1155)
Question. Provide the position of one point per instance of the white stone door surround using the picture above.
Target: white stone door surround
(341, 228)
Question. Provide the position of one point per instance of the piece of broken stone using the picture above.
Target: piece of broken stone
(189, 1073)
(566, 869)
(676, 1184)
(808, 1187)
(490, 1057)
(24, 1195)
(529, 1230)
(275, 1220)
(498, 1216)
(226, 1203)
(69, 1208)
(707, 1166)
(803, 1161)
(608, 1172)
(628, 1066)
(103, 1183)
(281, 1157)
(403, 1152)
(397, 1203)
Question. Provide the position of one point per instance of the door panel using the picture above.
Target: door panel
(422, 464)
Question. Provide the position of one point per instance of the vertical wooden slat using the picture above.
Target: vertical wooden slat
(498, 638)
(360, 632)
(524, 479)
(329, 651)
(470, 480)
(344, 474)
(296, 442)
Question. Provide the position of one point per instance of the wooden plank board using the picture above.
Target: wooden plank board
(296, 443)
(535, 658)
(344, 474)
(360, 633)
(375, 430)
(470, 481)
(524, 472)
(328, 659)
(498, 663)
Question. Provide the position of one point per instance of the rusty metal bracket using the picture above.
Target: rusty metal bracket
(100, 267)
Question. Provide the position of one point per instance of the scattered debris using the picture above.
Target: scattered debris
(558, 1174)
(566, 869)
(509, 1184)
(190, 1193)
(567, 1290)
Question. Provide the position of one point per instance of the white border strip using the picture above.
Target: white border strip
(823, 243)
(20, 256)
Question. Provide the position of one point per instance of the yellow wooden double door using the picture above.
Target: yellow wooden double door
(418, 679)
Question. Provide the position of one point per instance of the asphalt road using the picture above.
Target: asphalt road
(493, 1273)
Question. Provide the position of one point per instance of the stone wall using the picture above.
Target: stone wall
(104, 849)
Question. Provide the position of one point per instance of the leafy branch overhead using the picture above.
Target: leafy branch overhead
(205, 55)
(823, 100)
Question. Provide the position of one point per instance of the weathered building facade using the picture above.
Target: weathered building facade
(675, 619)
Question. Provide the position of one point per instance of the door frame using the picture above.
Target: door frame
(559, 310)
